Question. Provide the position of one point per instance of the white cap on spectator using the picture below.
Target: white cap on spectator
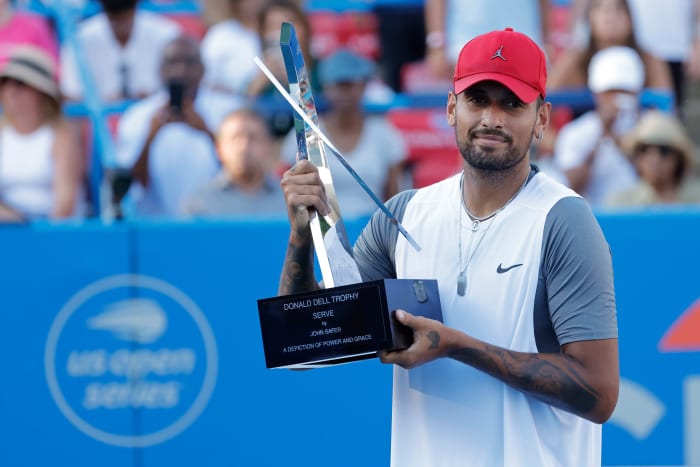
(616, 69)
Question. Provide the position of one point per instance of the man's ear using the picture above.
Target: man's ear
(544, 114)
(451, 108)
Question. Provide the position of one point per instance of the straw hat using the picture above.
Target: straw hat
(33, 67)
(662, 129)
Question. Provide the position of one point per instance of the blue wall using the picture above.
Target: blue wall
(199, 393)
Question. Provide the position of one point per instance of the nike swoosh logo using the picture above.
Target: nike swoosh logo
(500, 269)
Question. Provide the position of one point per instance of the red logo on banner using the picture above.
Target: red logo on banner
(684, 334)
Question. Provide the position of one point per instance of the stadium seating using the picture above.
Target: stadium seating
(356, 30)
(432, 153)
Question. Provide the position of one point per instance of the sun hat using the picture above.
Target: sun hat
(34, 67)
(658, 128)
(508, 57)
(616, 69)
(344, 65)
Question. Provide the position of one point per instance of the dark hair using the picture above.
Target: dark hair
(247, 111)
(116, 6)
(681, 168)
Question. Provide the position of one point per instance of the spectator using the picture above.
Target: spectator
(668, 33)
(664, 156)
(671, 34)
(545, 162)
(401, 29)
(40, 156)
(121, 48)
(167, 139)
(452, 23)
(587, 148)
(21, 28)
(245, 185)
(214, 11)
(373, 147)
(610, 24)
(270, 20)
(230, 68)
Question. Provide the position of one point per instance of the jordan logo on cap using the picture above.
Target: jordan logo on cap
(499, 54)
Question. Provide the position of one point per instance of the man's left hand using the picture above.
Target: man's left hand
(430, 341)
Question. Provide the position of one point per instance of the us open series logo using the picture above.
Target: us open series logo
(131, 361)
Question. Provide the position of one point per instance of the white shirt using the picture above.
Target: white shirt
(665, 29)
(446, 413)
(380, 147)
(138, 63)
(181, 159)
(612, 171)
(26, 170)
(228, 50)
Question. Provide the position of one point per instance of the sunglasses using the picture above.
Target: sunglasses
(663, 150)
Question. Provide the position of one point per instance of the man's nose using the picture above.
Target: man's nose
(492, 116)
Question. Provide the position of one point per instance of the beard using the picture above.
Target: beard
(488, 159)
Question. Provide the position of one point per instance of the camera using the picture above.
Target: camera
(176, 91)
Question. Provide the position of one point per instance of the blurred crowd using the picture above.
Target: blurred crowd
(204, 133)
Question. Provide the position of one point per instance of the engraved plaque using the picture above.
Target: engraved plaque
(343, 324)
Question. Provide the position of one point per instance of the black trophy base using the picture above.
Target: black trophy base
(343, 324)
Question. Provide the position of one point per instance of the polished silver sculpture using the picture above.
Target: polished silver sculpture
(331, 243)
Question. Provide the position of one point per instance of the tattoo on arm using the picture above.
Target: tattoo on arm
(297, 272)
(434, 338)
(552, 378)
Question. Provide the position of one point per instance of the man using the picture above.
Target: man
(669, 33)
(245, 185)
(525, 366)
(167, 139)
(121, 48)
(588, 149)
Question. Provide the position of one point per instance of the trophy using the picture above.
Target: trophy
(333, 250)
(349, 319)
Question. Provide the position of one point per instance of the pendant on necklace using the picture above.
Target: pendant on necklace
(462, 283)
(475, 225)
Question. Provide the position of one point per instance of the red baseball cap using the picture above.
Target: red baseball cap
(507, 56)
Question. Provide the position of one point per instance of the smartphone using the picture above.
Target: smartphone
(176, 90)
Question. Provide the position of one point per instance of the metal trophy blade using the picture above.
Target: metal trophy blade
(300, 112)
(331, 243)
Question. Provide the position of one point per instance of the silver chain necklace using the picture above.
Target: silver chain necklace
(475, 223)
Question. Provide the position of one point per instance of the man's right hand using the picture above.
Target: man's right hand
(607, 111)
(303, 190)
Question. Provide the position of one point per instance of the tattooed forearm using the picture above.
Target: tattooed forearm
(297, 272)
(552, 378)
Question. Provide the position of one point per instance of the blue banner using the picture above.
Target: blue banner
(138, 344)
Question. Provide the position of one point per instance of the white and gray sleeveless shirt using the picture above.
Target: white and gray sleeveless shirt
(540, 277)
